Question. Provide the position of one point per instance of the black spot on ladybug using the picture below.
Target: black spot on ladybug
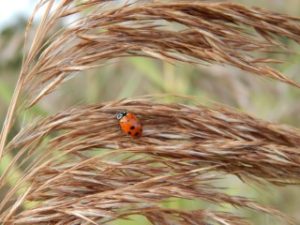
(137, 134)
(129, 132)
(132, 128)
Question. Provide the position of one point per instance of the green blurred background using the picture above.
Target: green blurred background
(263, 98)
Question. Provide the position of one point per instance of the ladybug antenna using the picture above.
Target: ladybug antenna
(119, 115)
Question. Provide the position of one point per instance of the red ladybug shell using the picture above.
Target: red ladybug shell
(130, 124)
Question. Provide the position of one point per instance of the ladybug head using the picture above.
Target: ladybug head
(120, 115)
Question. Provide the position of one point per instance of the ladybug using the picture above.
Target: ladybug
(130, 124)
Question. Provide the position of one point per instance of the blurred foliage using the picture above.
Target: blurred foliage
(131, 77)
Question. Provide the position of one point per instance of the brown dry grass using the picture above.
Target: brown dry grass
(205, 32)
(78, 167)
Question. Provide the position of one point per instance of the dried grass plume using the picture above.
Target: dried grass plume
(80, 169)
